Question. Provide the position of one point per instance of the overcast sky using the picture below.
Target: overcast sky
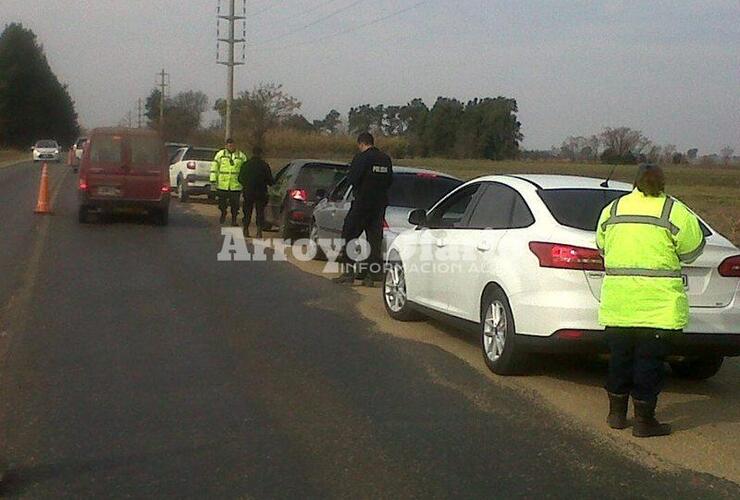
(668, 67)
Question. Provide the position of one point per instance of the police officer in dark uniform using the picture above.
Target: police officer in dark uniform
(371, 175)
(255, 177)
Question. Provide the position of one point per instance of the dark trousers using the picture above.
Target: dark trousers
(636, 362)
(258, 203)
(228, 199)
(368, 220)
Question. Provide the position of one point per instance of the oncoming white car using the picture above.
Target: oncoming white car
(46, 150)
(514, 258)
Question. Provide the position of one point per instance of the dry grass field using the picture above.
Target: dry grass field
(713, 192)
(12, 155)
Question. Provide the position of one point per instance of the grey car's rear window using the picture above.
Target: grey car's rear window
(419, 190)
(317, 176)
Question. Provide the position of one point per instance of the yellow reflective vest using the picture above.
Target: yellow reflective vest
(225, 170)
(644, 241)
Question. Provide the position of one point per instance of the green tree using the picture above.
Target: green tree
(298, 122)
(442, 123)
(413, 118)
(362, 119)
(260, 110)
(330, 123)
(182, 114)
(33, 103)
(489, 129)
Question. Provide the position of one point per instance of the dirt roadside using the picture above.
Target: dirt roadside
(705, 415)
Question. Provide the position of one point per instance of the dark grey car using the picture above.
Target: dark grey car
(292, 198)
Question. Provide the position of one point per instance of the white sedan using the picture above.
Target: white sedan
(514, 258)
(46, 150)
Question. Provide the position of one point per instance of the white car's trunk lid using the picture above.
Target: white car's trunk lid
(704, 286)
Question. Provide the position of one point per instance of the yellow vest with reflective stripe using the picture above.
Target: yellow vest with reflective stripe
(644, 240)
(225, 170)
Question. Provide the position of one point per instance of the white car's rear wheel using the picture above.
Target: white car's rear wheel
(498, 335)
(395, 297)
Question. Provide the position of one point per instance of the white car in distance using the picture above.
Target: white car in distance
(46, 150)
(514, 258)
(190, 172)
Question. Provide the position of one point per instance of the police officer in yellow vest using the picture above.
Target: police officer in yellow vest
(225, 177)
(644, 236)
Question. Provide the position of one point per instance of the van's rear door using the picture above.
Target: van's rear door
(146, 168)
(106, 175)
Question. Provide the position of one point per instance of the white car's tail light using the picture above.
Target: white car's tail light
(560, 256)
(730, 267)
(191, 165)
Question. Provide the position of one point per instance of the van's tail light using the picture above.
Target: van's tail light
(385, 225)
(730, 267)
(561, 256)
(298, 194)
(191, 165)
(83, 184)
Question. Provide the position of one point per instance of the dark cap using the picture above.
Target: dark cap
(229, 141)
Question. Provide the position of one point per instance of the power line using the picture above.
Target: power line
(313, 23)
(351, 30)
(310, 10)
(265, 10)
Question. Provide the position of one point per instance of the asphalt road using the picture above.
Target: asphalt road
(134, 364)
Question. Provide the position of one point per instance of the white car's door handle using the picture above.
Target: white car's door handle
(483, 247)
(440, 243)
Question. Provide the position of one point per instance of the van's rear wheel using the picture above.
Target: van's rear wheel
(161, 217)
(498, 334)
(700, 368)
(82, 215)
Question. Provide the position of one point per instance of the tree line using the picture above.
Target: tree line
(34, 104)
(624, 145)
(479, 128)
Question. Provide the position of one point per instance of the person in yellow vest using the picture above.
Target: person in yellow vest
(644, 237)
(225, 177)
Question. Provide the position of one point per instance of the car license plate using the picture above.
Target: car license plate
(685, 279)
(108, 191)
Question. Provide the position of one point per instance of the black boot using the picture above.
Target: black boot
(246, 231)
(645, 423)
(234, 221)
(223, 217)
(617, 418)
(259, 233)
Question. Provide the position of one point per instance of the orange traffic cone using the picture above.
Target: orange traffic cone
(42, 206)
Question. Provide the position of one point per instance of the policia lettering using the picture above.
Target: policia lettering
(646, 240)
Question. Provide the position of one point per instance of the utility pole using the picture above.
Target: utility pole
(230, 63)
(140, 113)
(129, 119)
(164, 82)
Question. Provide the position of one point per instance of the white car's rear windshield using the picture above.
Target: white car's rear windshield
(47, 144)
(578, 208)
(200, 154)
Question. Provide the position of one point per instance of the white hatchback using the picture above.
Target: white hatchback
(514, 258)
